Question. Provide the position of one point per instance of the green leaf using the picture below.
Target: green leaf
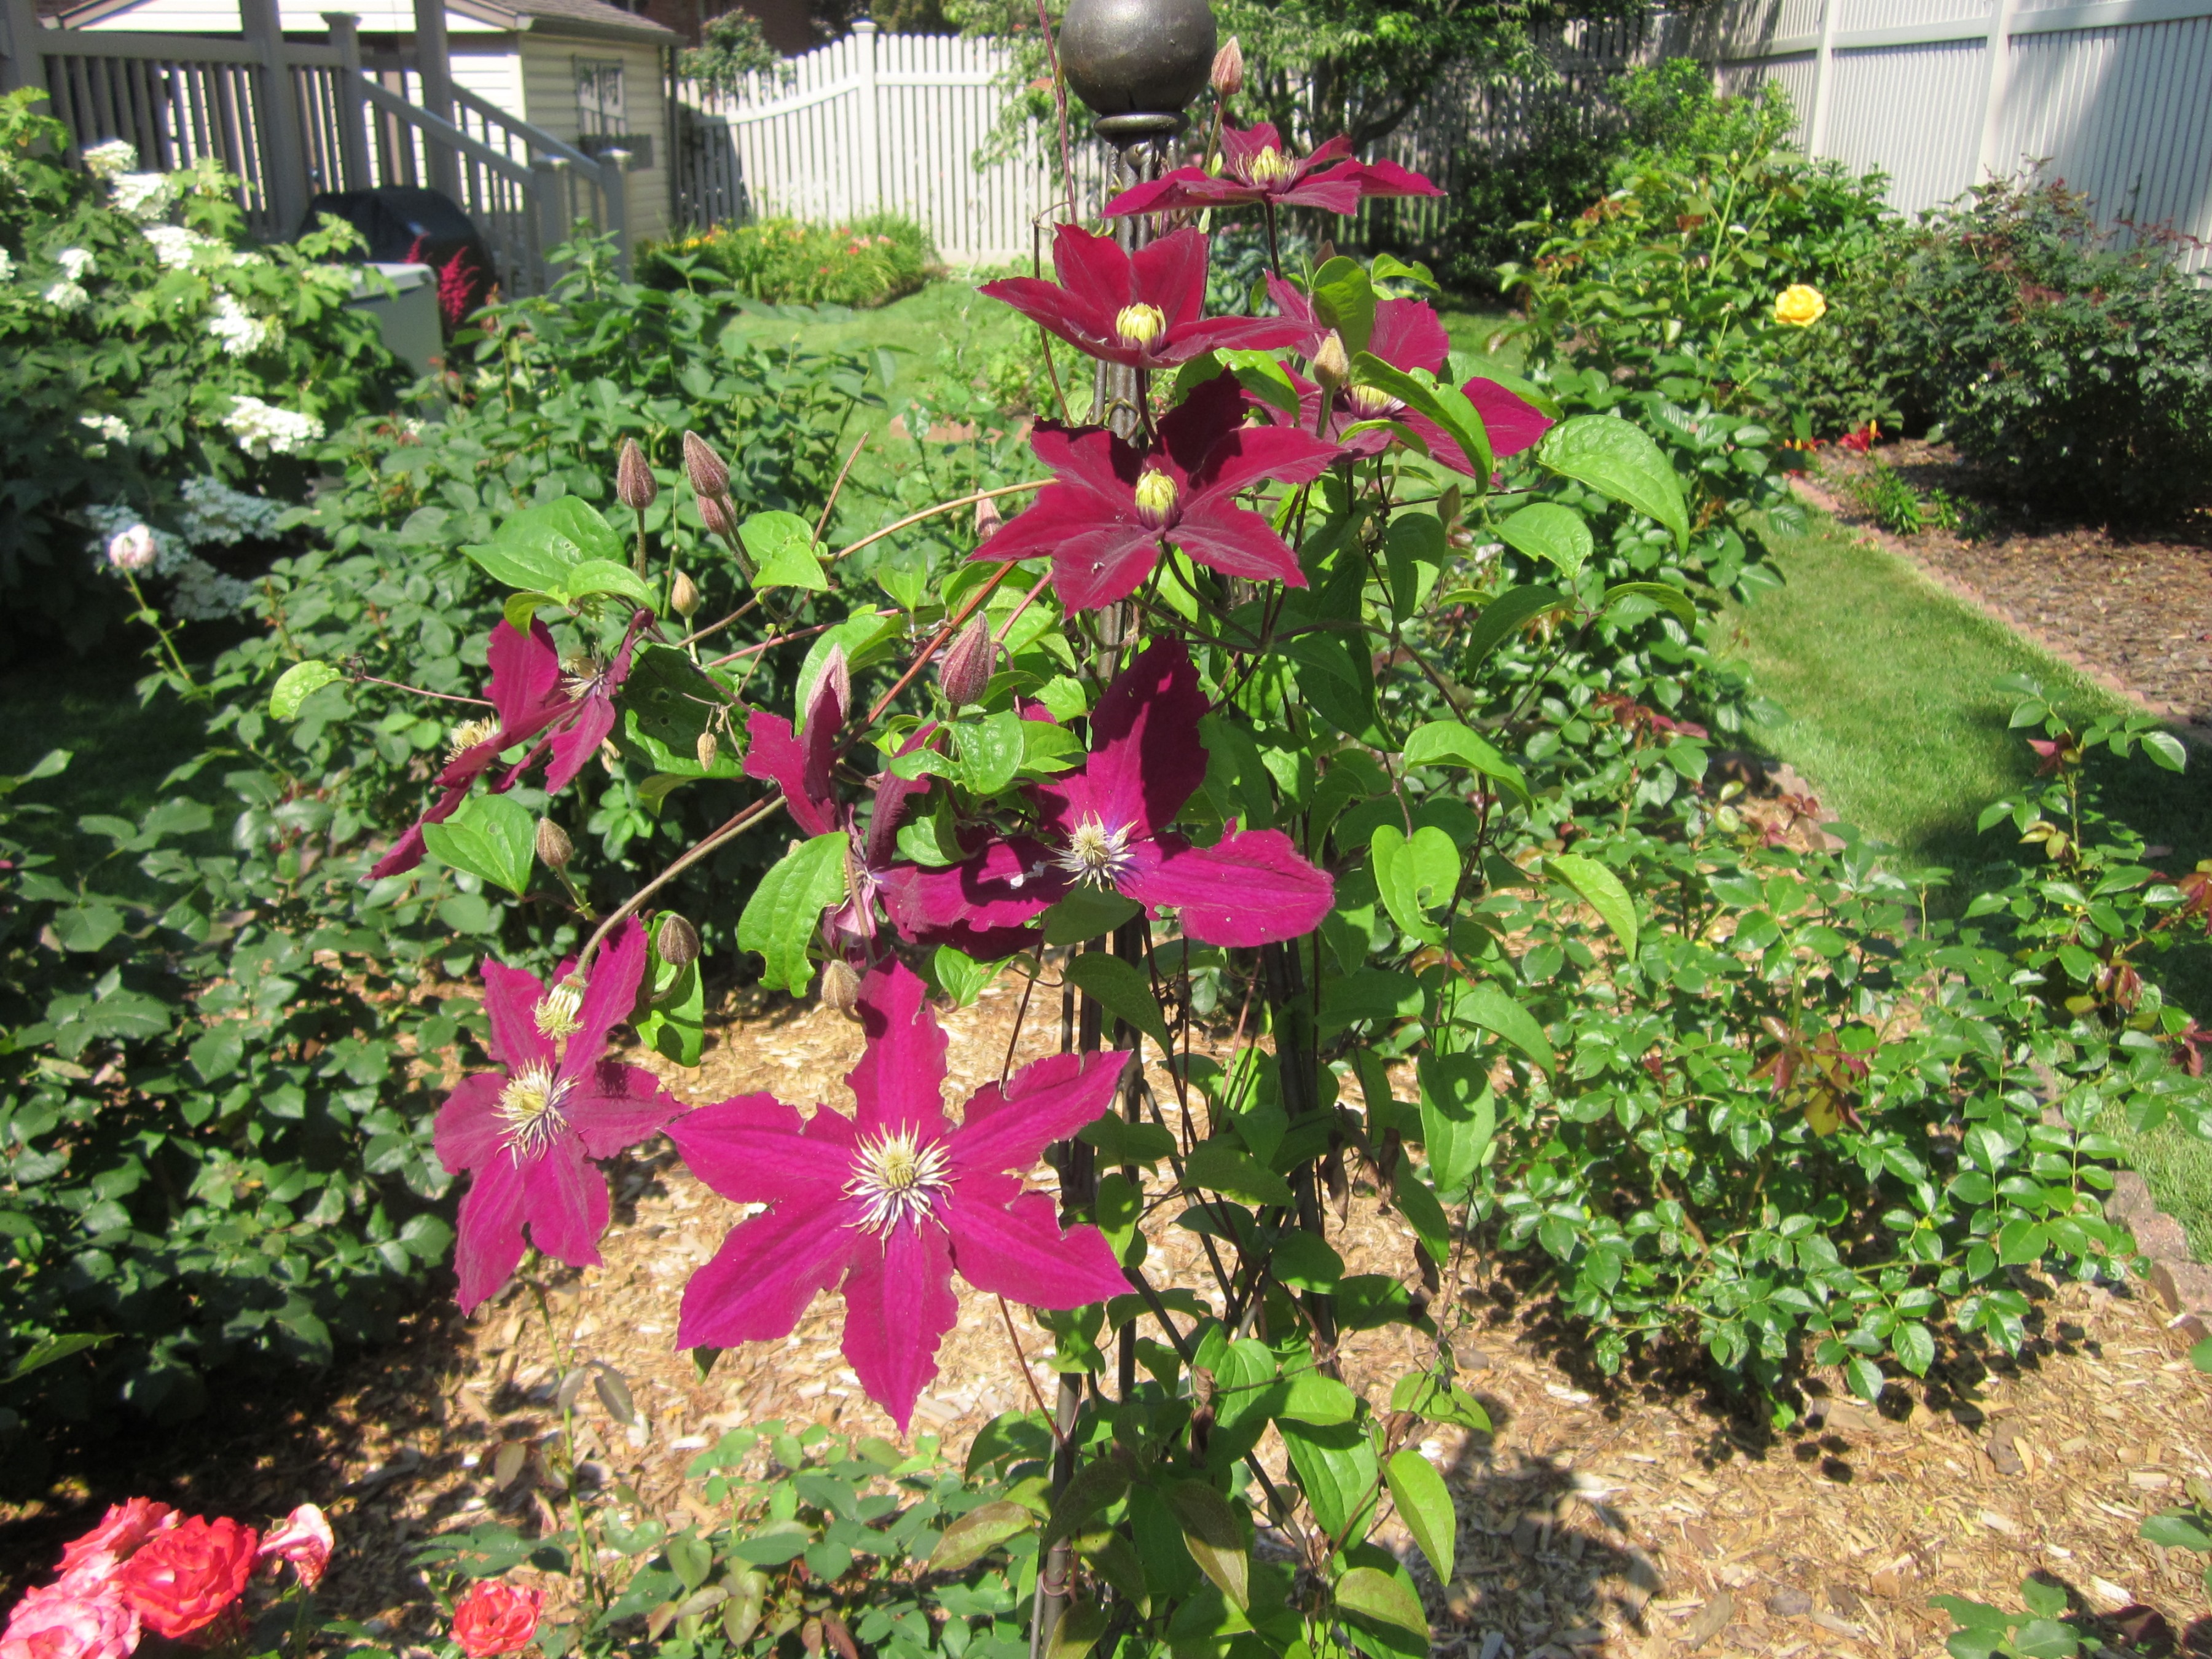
(1665, 595)
(990, 750)
(1485, 1005)
(1343, 298)
(518, 608)
(492, 836)
(668, 704)
(959, 975)
(2021, 1243)
(1081, 1624)
(1505, 615)
(673, 1020)
(1601, 889)
(538, 547)
(979, 1531)
(1914, 1346)
(1337, 1467)
(1214, 1532)
(1119, 1141)
(1318, 1400)
(1371, 994)
(1370, 1593)
(1448, 743)
(1121, 990)
(1438, 1401)
(782, 548)
(2177, 1530)
(1086, 913)
(1219, 1167)
(2166, 750)
(1618, 458)
(1413, 874)
(595, 578)
(1424, 1211)
(1459, 1116)
(1865, 1377)
(297, 684)
(780, 918)
(1558, 534)
(1262, 375)
(47, 1352)
(1446, 405)
(1090, 1489)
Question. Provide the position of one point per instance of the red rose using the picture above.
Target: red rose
(120, 1531)
(494, 1618)
(182, 1579)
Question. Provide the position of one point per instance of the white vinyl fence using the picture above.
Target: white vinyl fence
(875, 123)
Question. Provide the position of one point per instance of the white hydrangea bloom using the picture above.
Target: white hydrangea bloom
(117, 155)
(67, 296)
(144, 196)
(263, 430)
(174, 245)
(7, 266)
(107, 429)
(241, 332)
(215, 514)
(203, 594)
(74, 263)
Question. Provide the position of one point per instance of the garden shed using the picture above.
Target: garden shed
(584, 72)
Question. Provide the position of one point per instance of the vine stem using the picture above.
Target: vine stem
(942, 507)
(822, 524)
(417, 690)
(937, 643)
(744, 820)
(1022, 1360)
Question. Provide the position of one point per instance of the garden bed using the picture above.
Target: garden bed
(2134, 608)
(1623, 1518)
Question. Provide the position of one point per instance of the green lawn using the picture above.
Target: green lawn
(1891, 710)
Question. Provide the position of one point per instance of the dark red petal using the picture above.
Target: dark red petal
(1104, 566)
(1409, 335)
(511, 997)
(1511, 423)
(1336, 150)
(1049, 304)
(1094, 269)
(577, 739)
(752, 1150)
(774, 756)
(1014, 1248)
(1047, 1100)
(1336, 190)
(767, 1271)
(986, 907)
(900, 1081)
(1146, 758)
(565, 1201)
(489, 1244)
(1239, 544)
(1241, 334)
(616, 1106)
(892, 794)
(1251, 888)
(1088, 458)
(1188, 432)
(1152, 197)
(1240, 145)
(468, 1132)
(610, 994)
(526, 671)
(1250, 455)
(898, 1305)
(1294, 304)
(1170, 273)
(1388, 179)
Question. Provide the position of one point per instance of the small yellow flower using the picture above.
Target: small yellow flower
(1799, 306)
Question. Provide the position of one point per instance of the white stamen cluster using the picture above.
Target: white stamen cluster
(529, 1110)
(555, 1013)
(580, 672)
(468, 734)
(898, 1179)
(1141, 324)
(1096, 856)
(1270, 167)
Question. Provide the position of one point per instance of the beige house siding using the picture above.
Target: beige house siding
(547, 73)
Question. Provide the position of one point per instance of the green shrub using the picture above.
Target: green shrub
(2073, 360)
(869, 262)
(147, 351)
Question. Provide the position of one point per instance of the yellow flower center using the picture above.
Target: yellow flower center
(1141, 324)
(555, 1013)
(1156, 496)
(530, 1111)
(898, 1180)
(1371, 403)
(578, 672)
(1096, 856)
(468, 735)
(1270, 166)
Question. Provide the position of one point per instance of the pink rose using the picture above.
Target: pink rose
(190, 1574)
(305, 1540)
(495, 1618)
(121, 1530)
(82, 1617)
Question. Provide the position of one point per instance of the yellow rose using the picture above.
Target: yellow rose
(1800, 306)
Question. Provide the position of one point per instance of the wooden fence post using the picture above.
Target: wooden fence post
(549, 209)
(870, 125)
(351, 113)
(1824, 76)
(22, 63)
(283, 147)
(614, 191)
(433, 68)
(1995, 84)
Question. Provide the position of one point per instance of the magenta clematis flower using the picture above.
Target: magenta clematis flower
(524, 1136)
(568, 708)
(1106, 826)
(1254, 170)
(1141, 310)
(1113, 505)
(891, 1202)
(1408, 335)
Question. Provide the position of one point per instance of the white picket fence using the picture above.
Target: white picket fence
(872, 122)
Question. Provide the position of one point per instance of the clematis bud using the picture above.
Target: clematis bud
(131, 550)
(706, 748)
(988, 518)
(841, 988)
(677, 940)
(708, 473)
(1156, 496)
(1141, 324)
(554, 1016)
(634, 484)
(555, 849)
(1331, 365)
(1228, 76)
(963, 672)
(714, 514)
(683, 596)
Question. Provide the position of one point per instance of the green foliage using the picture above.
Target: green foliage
(867, 262)
(1896, 506)
(133, 317)
(730, 47)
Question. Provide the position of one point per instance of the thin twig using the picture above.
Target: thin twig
(942, 507)
(937, 643)
(822, 524)
(1022, 1360)
(742, 610)
(746, 819)
(770, 645)
(442, 696)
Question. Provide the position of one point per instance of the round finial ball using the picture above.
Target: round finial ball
(1137, 56)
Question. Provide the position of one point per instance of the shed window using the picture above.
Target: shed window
(600, 111)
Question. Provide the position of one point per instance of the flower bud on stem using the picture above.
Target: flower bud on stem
(963, 672)
(677, 940)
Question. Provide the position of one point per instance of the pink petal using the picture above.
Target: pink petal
(898, 1305)
(1240, 145)
(1443, 448)
(1294, 304)
(775, 755)
(510, 999)
(1170, 273)
(1512, 423)
(407, 852)
(1047, 1100)
(1239, 543)
(892, 794)
(1251, 888)
(576, 740)
(468, 1132)
(609, 994)
(1336, 190)
(1335, 149)
(1049, 306)
(526, 671)
(1409, 335)
(900, 1081)
(1016, 1249)
(1241, 334)
(1250, 455)
(490, 1242)
(616, 1106)
(986, 907)
(564, 1199)
(752, 1150)
(767, 1271)
(1161, 195)
(1146, 758)
(1094, 272)
(1388, 179)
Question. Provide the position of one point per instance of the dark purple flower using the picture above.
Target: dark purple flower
(525, 1134)
(1113, 505)
(1106, 826)
(1141, 310)
(568, 708)
(1408, 335)
(1254, 168)
(889, 1202)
